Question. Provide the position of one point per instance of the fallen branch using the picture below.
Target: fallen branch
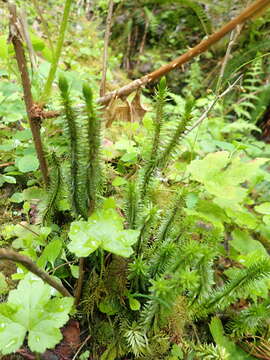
(7, 164)
(253, 10)
(7, 254)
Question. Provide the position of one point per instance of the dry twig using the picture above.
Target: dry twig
(7, 254)
(254, 9)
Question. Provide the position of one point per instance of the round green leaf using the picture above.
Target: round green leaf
(263, 208)
(134, 304)
(28, 163)
(16, 197)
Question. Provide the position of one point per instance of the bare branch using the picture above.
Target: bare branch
(8, 254)
(254, 9)
(213, 103)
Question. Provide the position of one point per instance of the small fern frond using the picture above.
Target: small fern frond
(243, 59)
(136, 339)
(240, 286)
(249, 320)
(149, 316)
(202, 15)
(212, 352)
(252, 82)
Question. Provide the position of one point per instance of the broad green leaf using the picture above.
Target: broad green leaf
(110, 353)
(119, 181)
(51, 252)
(244, 244)
(134, 304)
(3, 47)
(85, 355)
(104, 229)
(217, 332)
(74, 271)
(30, 235)
(37, 42)
(27, 163)
(7, 179)
(16, 197)
(34, 193)
(209, 211)
(223, 176)
(109, 306)
(242, 217)
(30, 310)
(263, 208)
(23, 135)
(129, 157)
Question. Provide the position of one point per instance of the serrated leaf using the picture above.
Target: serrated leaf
(223, 176)
(30, 310)
(104, 229)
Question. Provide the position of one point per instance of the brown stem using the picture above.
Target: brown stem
(82, 345)
(7, 164)
(79, 287)
(254, 9)
(144, 37)
(34, 120)
(105, 51)
(7, 254)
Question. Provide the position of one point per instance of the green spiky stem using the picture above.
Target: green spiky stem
(55, 184)
(93, 134)
(76, 190)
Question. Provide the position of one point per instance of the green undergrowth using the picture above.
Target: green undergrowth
(174, 234)
(171, 216)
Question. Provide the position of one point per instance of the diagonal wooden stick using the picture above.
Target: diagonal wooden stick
(7, 254)
(254, 9)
